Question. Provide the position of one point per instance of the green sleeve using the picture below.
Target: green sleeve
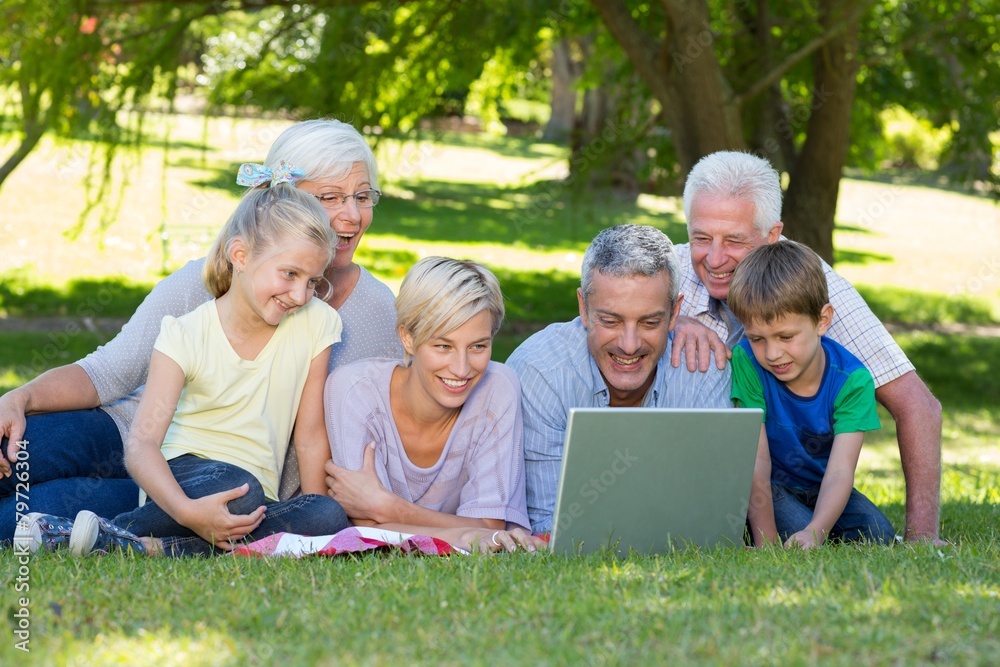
(854, 409)
(747, 390)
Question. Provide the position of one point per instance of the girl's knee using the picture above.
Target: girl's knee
(251, 500)
(325, 514)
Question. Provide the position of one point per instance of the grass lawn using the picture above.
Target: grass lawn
(495, 201)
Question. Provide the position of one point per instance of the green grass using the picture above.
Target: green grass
(844, 605)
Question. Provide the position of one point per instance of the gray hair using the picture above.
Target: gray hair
(626, 251)
(323, 149)
(736, 175)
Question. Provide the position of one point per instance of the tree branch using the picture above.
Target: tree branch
(786, 65)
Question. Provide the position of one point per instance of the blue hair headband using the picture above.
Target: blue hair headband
(251, 175)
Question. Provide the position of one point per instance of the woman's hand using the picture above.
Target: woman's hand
(485, 540)
(210, 518)
(12, 424)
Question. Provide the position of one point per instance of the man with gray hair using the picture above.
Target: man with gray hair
(616, 353)
(732, 202)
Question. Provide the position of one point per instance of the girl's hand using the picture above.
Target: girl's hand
(210, 518)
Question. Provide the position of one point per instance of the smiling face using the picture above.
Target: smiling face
(789, 348)
(628, 321)
(446, 368)
(348, 221)
(279, 280)
(722, 232)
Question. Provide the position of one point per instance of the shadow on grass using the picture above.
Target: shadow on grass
(960, 370)
(937, 180)
(896, 304)
(518, 147)
(217, 177)
(86, 297)
(546, 215)
(844, 256)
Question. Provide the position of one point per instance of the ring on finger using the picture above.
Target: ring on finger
(494, 538)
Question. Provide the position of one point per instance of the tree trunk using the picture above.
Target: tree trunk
(813, 187)
(563, 100)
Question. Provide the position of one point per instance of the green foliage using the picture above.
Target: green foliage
(940, 61)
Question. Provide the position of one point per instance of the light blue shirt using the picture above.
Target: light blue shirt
(557, 373)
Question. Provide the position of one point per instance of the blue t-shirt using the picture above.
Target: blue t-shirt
(800, 429)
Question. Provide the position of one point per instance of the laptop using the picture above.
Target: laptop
(651, 480)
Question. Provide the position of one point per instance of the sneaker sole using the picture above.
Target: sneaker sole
(85, 530)
(27, 534)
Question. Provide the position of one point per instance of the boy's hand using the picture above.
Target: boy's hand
(807, 538)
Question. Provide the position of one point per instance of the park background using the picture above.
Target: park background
(122, 127)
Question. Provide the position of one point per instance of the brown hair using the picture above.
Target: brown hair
(778, 279)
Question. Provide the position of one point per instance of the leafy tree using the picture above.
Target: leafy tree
(663, 82)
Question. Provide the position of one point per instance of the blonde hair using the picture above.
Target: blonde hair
(440, 294)
(264, 217)
(778, 279)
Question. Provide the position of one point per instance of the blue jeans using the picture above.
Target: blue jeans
(860, 520)
(307, 515)
(74, 461)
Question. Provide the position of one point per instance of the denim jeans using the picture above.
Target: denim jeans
(74, 462)
(860, 520)
(307, 515)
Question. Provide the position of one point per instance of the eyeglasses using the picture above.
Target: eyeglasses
(335, 200)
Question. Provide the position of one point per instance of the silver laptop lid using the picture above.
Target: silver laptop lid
(654, 479)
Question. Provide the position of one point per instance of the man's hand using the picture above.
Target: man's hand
(360, 492)
(697, 341)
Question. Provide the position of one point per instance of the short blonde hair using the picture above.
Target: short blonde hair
(778, 279)
(264, 217)
(440, 294)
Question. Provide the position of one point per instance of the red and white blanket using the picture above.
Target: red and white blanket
(347, 541)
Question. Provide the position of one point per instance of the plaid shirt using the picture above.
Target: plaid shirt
(854, 325)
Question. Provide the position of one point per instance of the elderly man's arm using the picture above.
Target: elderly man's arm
(918, 429)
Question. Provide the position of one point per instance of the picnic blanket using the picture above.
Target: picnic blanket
(348, 541)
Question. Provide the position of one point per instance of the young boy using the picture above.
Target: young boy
(818, 401)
